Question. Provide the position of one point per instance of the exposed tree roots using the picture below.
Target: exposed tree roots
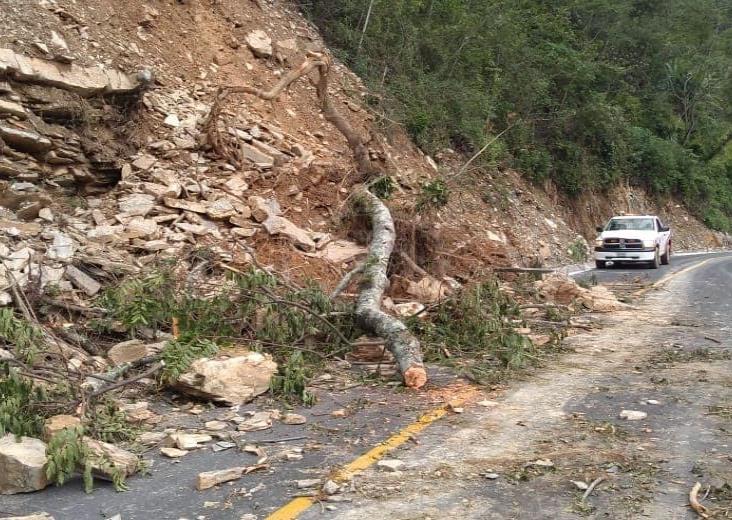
(398, 339)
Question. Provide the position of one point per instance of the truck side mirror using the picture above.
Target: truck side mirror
(665, 229)
(599, 229)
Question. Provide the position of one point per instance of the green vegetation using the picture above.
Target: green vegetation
(253, 308)
(434, 194)
(18, 332)
(292, 380)
(383, 187)
(474, 328)
(589, 92)
(67, 453)
(19, 404)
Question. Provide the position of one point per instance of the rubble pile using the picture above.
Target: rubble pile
(169, 195)
(563, 290)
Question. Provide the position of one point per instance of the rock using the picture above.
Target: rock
(133, 350)
(237, 185)
(330, 487)
(62, 248)
(136, 205)
(293, 419)
(173, 453)
(258, 421)
(232, 381)
(105, 233)
(601, 299)
(263, 209)
(144, 162)
(188, 441)
(22, 465)
(259, 43)
(582, 486)
(308, 483)
(561, 289)
(46, 214)
(256, 156)
(428, 290)
(633, 415)
(286, 50)
(406, 310)
(151, 438)
(140, 227)
(185, 205)
(210, 479)
(221, 209)
(107, 459)
(341, 251)
(25, 140)
(390, 464)
(539, 340)
(81, 80)
(172, 121)
(58, 423)
(283, 227)
(13, 109)
(83, 281)
(216, 426)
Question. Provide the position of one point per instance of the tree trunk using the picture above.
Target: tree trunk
(399, 340)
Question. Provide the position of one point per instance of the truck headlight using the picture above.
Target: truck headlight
(649, 243)
(598, 242)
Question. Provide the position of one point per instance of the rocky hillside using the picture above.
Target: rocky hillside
(110, 158)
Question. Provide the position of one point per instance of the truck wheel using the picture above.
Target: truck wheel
(666, 257)
(656, 261)
(600, 264)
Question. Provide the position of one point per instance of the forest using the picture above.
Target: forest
(584, 94)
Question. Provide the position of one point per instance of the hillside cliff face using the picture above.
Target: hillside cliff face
(108, 160)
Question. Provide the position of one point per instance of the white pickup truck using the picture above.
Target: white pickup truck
(633, 239)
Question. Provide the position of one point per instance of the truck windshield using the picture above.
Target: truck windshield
(632, 224)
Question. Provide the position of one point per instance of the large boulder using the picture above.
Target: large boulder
(22, 464)
(231, 381)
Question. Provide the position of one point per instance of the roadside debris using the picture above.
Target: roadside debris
(633, 415)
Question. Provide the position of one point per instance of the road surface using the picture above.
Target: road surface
(515, 455)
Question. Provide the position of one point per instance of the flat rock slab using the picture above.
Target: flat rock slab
(85, 81)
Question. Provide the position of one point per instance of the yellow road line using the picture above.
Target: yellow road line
(297, 506)
(671, 276)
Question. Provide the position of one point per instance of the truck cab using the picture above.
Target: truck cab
(633, 238)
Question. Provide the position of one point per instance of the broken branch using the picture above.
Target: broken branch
(698, 508)
(399, 340)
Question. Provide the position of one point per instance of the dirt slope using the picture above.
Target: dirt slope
(160, 137)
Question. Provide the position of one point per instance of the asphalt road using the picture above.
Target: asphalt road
(641, 274)
(698, 305)
(668, 358)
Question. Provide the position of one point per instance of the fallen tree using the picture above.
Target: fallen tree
(398, 339)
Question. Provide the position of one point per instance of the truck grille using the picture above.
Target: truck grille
(622, 243)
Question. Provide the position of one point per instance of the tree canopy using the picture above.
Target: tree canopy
(592, 92)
